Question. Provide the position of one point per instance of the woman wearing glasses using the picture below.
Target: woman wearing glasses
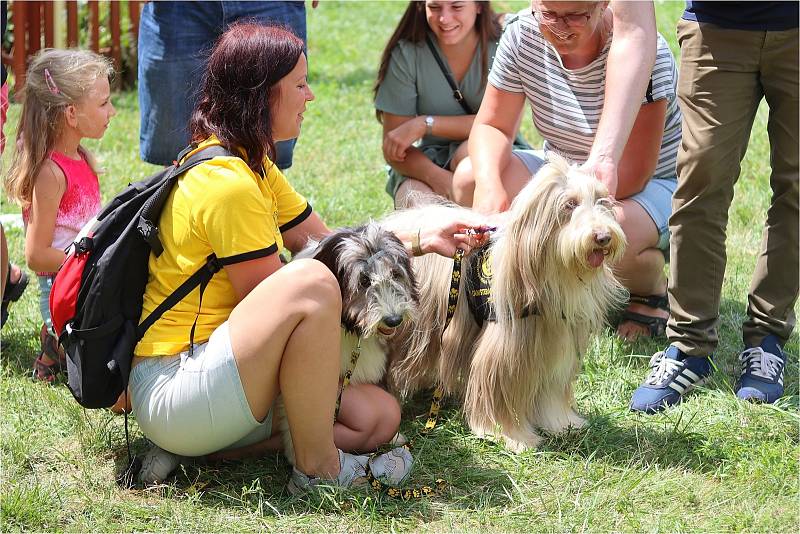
(554, 57)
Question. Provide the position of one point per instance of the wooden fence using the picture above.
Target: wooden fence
(34, 25)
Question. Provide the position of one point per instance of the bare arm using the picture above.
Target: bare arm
(640, 156)
(246, 275)
(630, 63)
(490, 145)
(49, 187)
(400, 131)
(296, 238)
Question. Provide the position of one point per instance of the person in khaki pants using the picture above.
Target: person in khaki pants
(733, 54)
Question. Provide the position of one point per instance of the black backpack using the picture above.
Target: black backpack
(96, 299)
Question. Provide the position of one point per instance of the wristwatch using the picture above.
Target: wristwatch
(429, 125)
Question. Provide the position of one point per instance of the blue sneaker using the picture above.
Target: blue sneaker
(762, 372)
(672, 374)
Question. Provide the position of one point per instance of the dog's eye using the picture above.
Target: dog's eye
(570, 205)
(364, 280)
(605, 202)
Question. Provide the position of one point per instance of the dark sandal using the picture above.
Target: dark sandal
(45, 372)
(12, 293)
(50, 348)
(656, 326)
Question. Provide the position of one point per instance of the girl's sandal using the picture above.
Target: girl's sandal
(44, 371)
(47, 372)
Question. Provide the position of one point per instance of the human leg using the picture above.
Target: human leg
(195, 405)
(368, 417)
(13, 279)
(641, 271)
(51, 359)
(5, 266)
(519, 169)
(173, 37)
(291, 15)
(409, 191)
(774, 287)
(296, 353)
(719, 92)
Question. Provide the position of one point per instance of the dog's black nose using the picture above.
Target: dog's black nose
(392, 320)
(602, 238)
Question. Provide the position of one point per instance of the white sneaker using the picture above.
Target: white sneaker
(351, 473)
(392, 468)
(157, 465)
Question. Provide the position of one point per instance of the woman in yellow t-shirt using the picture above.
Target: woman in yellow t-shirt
(261, 329)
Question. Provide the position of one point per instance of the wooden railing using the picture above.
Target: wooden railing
(34, 25)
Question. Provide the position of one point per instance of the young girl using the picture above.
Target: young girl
(52, 177)
(414, 101)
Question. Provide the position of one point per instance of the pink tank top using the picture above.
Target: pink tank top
(80, 202)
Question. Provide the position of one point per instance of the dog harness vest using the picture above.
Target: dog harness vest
(479, 288)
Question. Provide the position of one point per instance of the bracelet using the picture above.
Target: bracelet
(415, 248)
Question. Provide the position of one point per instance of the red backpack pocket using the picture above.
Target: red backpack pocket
(67, 285)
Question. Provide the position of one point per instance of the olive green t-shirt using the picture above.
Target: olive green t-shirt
(415, 85)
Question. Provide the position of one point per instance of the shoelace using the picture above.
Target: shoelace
(760, 363)
(662, 369)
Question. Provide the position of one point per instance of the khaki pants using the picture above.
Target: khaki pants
(724, 74)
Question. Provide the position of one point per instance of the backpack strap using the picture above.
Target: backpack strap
(449, 77)
(200, 278)
(153, 206)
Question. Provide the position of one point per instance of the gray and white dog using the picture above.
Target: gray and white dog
(379, 300)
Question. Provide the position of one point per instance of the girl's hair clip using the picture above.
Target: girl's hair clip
(51, 83)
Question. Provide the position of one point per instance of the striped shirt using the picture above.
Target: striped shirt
(566, 104)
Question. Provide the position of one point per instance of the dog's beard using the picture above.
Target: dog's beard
(366, 313)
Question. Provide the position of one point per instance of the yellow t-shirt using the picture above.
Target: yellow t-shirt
(218, 207)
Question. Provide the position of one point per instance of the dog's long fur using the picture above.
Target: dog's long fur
(515, 375)
(379, 295)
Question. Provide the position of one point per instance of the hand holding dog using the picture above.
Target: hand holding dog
(605, 170)
(444, 239)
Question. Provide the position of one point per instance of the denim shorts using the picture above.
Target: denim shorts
(655, 198)
(175, 39)
(196, 405)
(45, 287)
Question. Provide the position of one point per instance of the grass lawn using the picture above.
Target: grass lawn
(711, 464)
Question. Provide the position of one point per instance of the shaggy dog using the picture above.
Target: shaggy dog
(379, 294)
(547, 286)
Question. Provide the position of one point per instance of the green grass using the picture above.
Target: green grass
(712, 464)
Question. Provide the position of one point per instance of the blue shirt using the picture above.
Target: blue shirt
(758, 16)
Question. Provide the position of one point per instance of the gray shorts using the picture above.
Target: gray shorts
(655, 198)
(196, 406)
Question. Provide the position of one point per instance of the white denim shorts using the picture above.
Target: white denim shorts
(196, 406)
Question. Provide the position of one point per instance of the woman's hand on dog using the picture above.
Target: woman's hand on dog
(445, 238)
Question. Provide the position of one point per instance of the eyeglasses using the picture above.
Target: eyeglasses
(574, 20)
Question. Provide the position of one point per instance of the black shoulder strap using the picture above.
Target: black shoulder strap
(152, 209)
(153, 206)
(449, 77)
(649, 93)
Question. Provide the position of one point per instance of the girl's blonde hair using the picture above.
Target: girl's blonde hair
(56, 79)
